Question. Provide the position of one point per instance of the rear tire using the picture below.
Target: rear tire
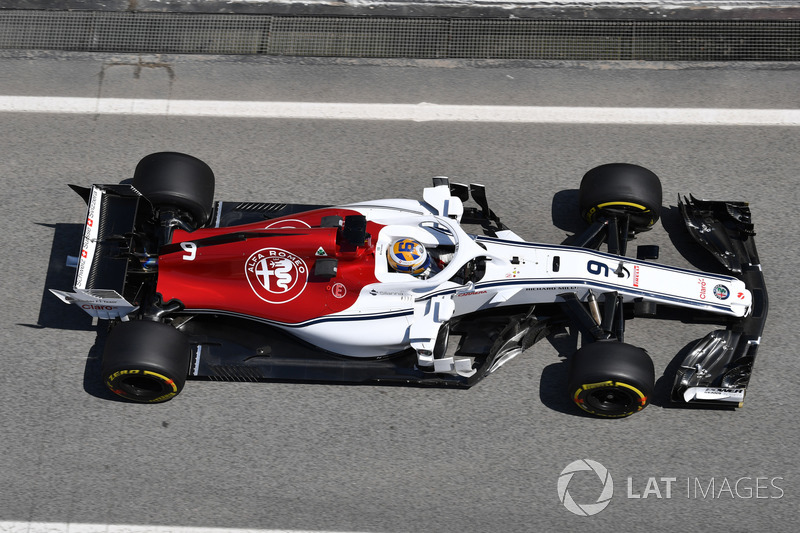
(173, 180)
(145, 361)
(611, 379)
(621, 187)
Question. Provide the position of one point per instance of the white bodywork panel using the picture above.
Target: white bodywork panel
(89, 242)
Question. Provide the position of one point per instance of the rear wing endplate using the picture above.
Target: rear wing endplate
(102, 264)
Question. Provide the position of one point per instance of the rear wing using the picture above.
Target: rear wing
(718, 368)
(102, 265)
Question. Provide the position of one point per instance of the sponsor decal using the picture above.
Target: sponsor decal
(471, 293)
(90, 232)
(722, 391)
(703, 287)
(320, 251)
(721, 292)
(635, 275)
(374, 292)
(119, 373)
(276, 276)
(338, 290)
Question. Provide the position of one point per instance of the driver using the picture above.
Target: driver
(409, 256)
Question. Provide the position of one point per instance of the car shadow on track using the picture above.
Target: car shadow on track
(662, 395)
(697, 256)
(55, 314)
(92, 382)
(565, 214)
(553, 382)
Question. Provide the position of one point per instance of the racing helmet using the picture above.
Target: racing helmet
(408, 257)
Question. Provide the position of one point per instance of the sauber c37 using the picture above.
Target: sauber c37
(197, 288)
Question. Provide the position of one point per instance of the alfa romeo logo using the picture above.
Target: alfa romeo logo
(275, 275)
(585, 509)
(721, 292)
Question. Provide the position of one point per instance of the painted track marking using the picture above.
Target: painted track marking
(422, 112)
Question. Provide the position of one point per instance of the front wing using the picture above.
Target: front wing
(717, 369)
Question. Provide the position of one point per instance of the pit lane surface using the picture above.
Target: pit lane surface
(335, 458)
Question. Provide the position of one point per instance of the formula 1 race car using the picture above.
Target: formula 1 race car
(398, 291)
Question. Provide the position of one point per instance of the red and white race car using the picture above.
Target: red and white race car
(399, 291)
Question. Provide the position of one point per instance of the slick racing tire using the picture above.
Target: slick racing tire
(611, 379)
(174, 180)
(621, 187)
(145, 361)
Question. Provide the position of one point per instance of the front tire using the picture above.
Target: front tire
(621, 187)
(145, 361)
(611, 379)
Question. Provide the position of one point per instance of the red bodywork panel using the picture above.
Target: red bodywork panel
(266, 269)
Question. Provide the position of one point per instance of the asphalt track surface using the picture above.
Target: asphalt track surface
(394, 459)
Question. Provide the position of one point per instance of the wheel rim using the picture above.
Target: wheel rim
(612, 400)
(142, 386)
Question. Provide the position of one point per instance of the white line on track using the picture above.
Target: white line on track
(423, 112)
(63, 527)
